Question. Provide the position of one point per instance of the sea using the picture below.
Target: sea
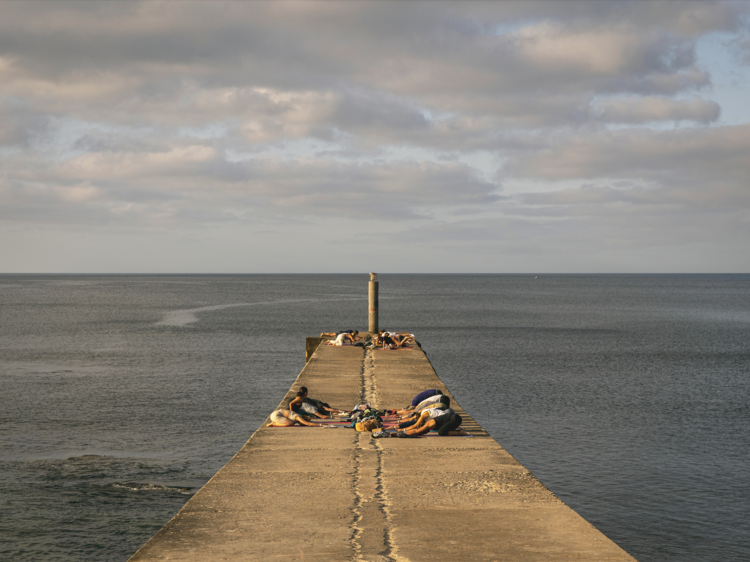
(627, 395)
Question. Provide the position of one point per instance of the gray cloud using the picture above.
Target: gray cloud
(649, 109)
(177, 114)
(697, 158)
(157, 59)
(195, 183)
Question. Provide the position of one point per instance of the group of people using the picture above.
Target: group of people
(429, 410)
(386, 339)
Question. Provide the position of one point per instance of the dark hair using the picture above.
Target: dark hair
(438, 391)
(303, 389)
(445, 400)
(300, 393)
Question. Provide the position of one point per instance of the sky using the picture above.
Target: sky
(395, 137)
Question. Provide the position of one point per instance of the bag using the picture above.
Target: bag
(368, 425)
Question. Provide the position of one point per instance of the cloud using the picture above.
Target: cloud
(538, 120)
(605, 234)
(694, 157)
(195, 183)
(649, 109)
(740, 46)
(159, 61)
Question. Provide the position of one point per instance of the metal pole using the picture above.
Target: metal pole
(373, 315)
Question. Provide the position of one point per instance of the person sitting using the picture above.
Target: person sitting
(299, 406)
(319, 404)
(286, 418)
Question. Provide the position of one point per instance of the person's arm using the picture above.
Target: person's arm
(423, 417)
(426, 428)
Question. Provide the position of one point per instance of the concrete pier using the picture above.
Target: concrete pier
(335, 494)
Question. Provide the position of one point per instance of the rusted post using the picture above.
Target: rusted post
(373, 313)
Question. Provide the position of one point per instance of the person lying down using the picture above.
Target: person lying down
(426, 403)
(412, 417)
(347, 337)
(286, 418)
(353, 333)
(445, 422)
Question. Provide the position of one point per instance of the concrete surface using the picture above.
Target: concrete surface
(335, 494)
(311, 344)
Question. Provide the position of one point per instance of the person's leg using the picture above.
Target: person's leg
(302, 421)
(460, 432)
(454, 420)
(305, 408)
(407, 423)
(296, 418)
(335, 412)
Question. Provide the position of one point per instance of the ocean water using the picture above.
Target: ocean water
(627, 395)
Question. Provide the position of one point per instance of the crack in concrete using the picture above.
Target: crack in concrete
(372, 528)
(357, 477)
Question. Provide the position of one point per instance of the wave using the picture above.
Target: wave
(148, 487)
(187, 316)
